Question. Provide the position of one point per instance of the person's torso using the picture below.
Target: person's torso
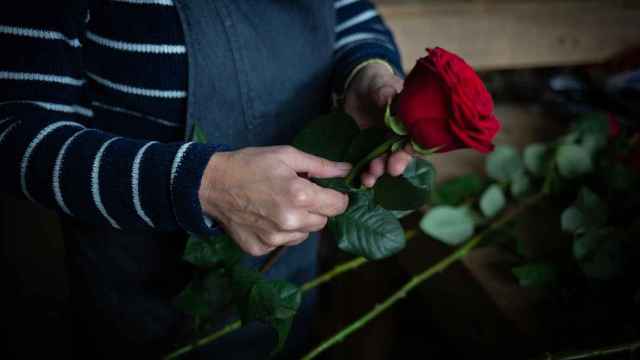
(269, 67)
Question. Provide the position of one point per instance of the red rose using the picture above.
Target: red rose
(445, 105)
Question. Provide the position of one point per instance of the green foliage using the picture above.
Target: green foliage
(368, 230)
(217, 251)
(394, 123)
(520, 185)
(534, 157)
(599, 252)
(451, 225)
(535, 274)
(328, 136)
(588, 212)
(206, 295)
(364, 143)
(492, 201)
(458, 190)
(504, 163)
(573, 161)
(410, 191)
(198, 134)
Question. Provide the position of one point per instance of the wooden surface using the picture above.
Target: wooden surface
(517, 33)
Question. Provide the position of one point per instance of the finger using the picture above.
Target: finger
(282, 238)
(251, 244)
(376, 169)
(384, 93)
(398, 162)
(313, 222)
(327, 202)
(314, 166)
(368, 180)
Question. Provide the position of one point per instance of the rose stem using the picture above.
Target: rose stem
(586, 354)
(418, 279)
(326, 277)
(378, 151)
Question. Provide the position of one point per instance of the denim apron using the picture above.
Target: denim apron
(258, 70)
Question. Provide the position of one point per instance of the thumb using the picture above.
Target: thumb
(315, 166)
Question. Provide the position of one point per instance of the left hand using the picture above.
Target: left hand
(366, 99)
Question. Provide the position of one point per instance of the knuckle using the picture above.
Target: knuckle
(257, 250)
(272, 239)
(286, 150)
(298, 193)
(287, 220)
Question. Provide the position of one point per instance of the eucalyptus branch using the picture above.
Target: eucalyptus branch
(587, 354)
(324, 278)
(420, 278)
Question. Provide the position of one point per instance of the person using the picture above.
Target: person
(98, 102)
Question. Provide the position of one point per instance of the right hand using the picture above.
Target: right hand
(260, 199)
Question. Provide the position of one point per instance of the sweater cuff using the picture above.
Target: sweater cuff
(352, 60)
(186, 174)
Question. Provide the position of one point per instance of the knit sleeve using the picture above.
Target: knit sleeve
(49, 151)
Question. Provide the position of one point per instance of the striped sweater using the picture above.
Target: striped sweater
(92, 112)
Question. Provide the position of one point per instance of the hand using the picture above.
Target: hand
(366, 99)
(261, 200)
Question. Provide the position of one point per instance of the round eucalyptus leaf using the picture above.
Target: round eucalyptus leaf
(573, 161)
(520, 185)
(451, 225)
(504, 163)
(492, 201)
(534, 158)
(572, 220)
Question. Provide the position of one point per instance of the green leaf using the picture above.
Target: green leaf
(448, 224)
(599, 253)
(573, 161)
(535, 274)
(394, 123)
(520, 185)
(534, 157)
(199, 135)
(243, 280)
(593, 131)
(328, 136)
(418, 149)
(367, 230)
(592, 207)
(409, 191)
(456, 191)
(400, 144)
(504, 163)
(215, 251)
(205, 296)
(337, 184)
(572, 220)
(364, 143)
(275, 303)
(273, 300)
(492, 201)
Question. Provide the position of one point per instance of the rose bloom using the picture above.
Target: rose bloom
(445, 106)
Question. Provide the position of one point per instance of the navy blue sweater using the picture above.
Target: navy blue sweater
(93, 105)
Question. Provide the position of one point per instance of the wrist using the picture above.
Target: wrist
(368, 68)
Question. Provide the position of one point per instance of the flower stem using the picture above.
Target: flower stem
(378, 151)
(326, 277)
(418, 279)
(586, 354)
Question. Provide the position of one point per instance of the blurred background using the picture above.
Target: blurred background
(545, 62)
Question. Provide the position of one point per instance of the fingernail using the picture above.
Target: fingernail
(344, 166)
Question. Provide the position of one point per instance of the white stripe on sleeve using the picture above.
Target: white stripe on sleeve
(24, 164)
(177, 160)
(360, 18)
(21, 76)
(136, 47)
(95, 183)
(135, 184)
(39, 34)
(166, 94)
(57, 169)
(147, 2)
(341, 3)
